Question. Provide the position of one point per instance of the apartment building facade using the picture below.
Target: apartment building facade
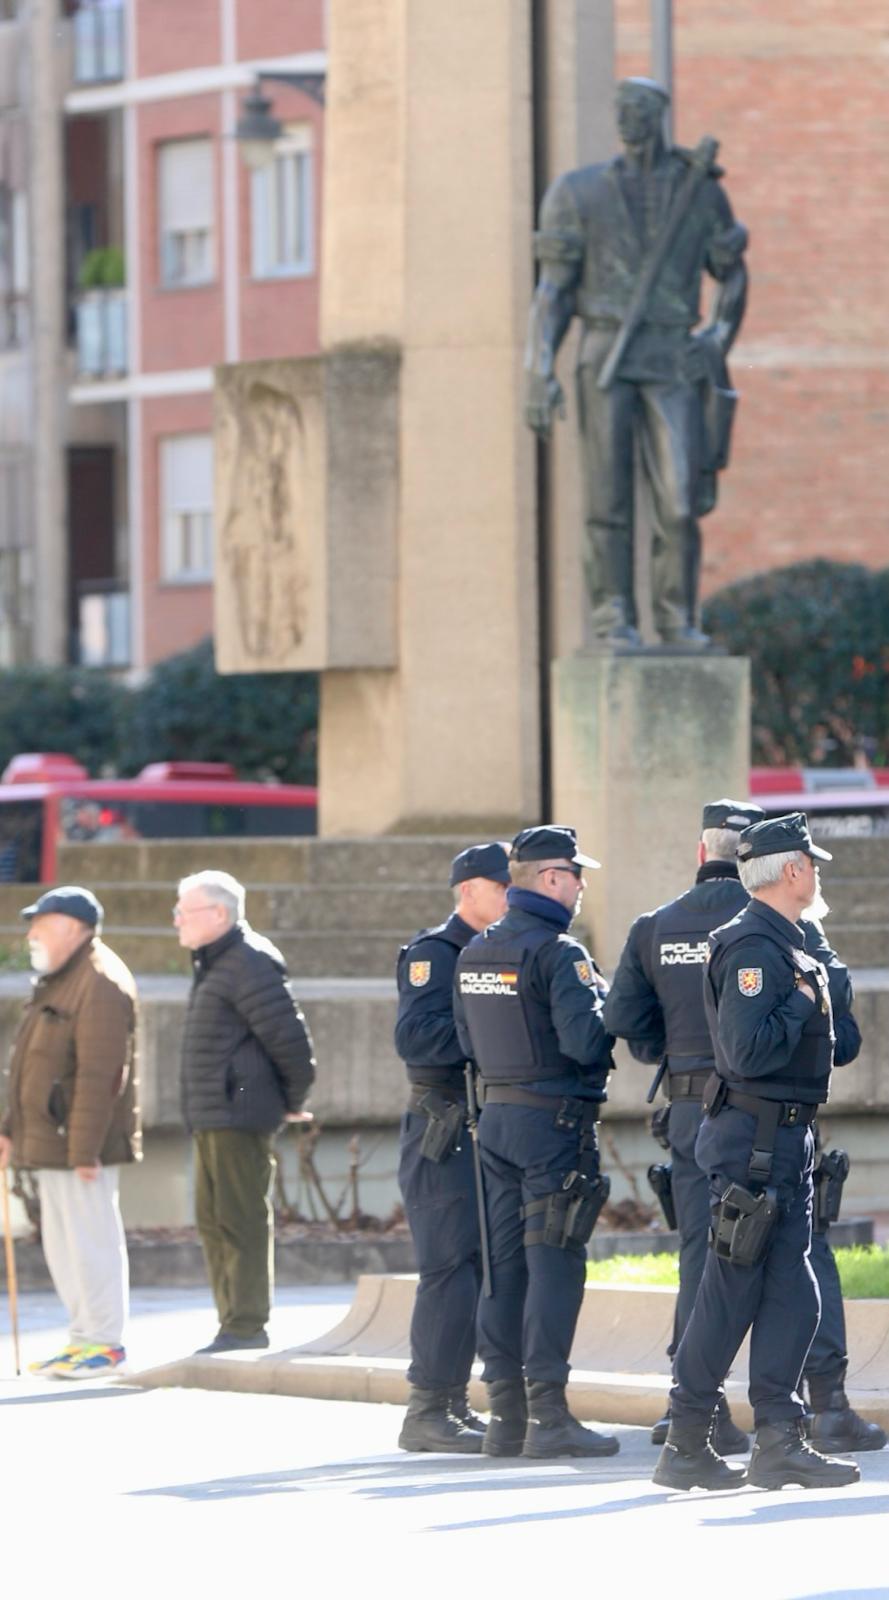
(137, 251)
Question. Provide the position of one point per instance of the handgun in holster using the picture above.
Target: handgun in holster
(742, 1224)
(660, 1176)
(829, 1177)
(445, 1120)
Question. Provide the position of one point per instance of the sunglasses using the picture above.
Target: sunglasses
(574, 868)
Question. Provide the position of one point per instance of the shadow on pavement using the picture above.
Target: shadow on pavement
(54, 1398)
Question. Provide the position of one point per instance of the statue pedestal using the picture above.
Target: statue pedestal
(640, 743)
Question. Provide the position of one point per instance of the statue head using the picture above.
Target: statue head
(641, 104)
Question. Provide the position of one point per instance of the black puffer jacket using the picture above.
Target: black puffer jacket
(246, 1051)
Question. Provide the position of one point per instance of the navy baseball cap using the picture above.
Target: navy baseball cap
(551, 843)
(481, 861)
(69, 901)
(777, 834)
(734, 814)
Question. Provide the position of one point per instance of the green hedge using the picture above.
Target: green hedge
(818, 637)
(265, 724)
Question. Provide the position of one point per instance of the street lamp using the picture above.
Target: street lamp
(258, 130)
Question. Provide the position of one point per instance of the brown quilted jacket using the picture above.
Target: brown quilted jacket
(72, 1084)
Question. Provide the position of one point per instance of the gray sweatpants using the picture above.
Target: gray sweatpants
(86, 1252)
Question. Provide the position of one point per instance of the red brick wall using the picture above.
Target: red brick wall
(797, 93)
(176, 615)
(173, 35)
(279, 27)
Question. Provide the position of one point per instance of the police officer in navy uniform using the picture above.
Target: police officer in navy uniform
(435, 1170)
(656, 1003)
(770, 1014)
(529, 1010)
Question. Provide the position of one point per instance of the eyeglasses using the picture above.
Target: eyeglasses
(190, 911)
(575, 869)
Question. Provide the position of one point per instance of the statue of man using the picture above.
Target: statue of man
(670, 401)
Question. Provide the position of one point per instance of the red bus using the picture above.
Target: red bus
(48, 799)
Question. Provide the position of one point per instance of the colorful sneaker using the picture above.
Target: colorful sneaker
(93, 1361)
(47, 1369)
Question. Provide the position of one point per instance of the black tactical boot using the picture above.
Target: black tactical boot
(661, 1429)
(689, 1461)
(835, 1426)
(505, 1433)
(726, 1438)
(782, 1455)
(459, 1407)
(552, 1431)
(429, 1425)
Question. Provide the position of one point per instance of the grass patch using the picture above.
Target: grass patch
(864, 1271)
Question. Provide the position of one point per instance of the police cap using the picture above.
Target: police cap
(734, 814)
(550, 843)
(778, 834)
(481, 861)
(69, 901)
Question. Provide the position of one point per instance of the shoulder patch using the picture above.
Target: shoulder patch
(584, 972)
(419, 973)
(750, 980)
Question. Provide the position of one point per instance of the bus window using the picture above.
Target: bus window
(21, 837)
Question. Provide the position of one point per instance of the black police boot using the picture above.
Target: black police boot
(459, 1407)
(661, 1429)
(689, 1461)
(782, 1455)
(552, 1431)
(835, 1426)
(429, 1425)
(505, 1433)
(726, 1437)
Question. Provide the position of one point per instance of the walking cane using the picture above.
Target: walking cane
(11, 1280)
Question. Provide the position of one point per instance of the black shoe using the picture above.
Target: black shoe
(459, 1407)
(552, 1431)
(505, 1433)
(726, 1437)
(782, 1455)
(835, 1426)
(428, 1425)
(234, 1341)
(661, 1429)
(689, 1461)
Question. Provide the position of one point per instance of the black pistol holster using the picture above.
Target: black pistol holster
(829, 1176)
(660, 1177)
(660, 1126)
(742, 1221)
(566, 1218)
(445, 1120)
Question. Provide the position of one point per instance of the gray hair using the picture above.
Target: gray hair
(721, 844)
(762, 871)
(221, 889)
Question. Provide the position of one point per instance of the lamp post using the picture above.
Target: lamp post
(258, 130)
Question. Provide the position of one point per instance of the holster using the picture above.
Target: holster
(660, 1126)
(661, 1179)
(568, 1216)
(829, 1177)
(444, 1125)
(742, 1224)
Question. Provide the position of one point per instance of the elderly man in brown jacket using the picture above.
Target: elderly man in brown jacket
(72, 1116)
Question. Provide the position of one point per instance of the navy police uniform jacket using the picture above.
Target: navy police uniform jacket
(425, 1033)
(769, 1039)
(656, 1001)
(528, 1003)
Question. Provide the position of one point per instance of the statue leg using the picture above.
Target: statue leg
(607, 424)
(670, 441)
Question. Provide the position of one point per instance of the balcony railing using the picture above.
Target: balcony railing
(103, 625)
(102, 333)
(99, 42)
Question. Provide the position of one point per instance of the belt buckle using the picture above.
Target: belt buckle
(791, 1115)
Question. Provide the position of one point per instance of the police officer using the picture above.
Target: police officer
(529, 1009)
(770, 1014)
(656, 1003)
(435, 1170)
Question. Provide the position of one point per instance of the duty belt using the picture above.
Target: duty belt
(791, 1113)
(770, 1116)
(569, 1109)
(687, 1085)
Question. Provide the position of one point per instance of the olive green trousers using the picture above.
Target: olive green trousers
(233, 1177)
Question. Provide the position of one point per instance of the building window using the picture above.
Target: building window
(185, 193)
(186, 473)
(281, 208)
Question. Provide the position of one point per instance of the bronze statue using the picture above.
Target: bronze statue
(623, 245)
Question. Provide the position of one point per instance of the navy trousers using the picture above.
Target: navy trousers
(778, 1299)
(526, 1328)
(442, 1212)
(827, 1360)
